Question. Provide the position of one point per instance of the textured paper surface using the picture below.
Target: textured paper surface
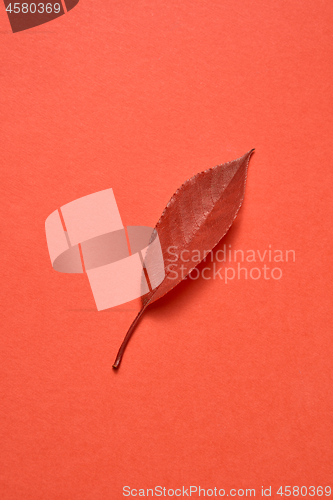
(223, 385)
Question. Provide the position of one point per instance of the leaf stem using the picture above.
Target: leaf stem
(128, 335)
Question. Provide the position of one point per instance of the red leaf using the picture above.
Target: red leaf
(198, 215)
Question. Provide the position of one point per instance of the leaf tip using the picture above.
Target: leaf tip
(248, 155)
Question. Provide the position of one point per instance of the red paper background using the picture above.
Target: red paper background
(222, 385)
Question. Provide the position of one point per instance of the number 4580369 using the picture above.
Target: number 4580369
(303, 491)
(33, 8)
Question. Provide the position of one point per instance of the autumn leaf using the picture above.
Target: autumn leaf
(198, 215)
